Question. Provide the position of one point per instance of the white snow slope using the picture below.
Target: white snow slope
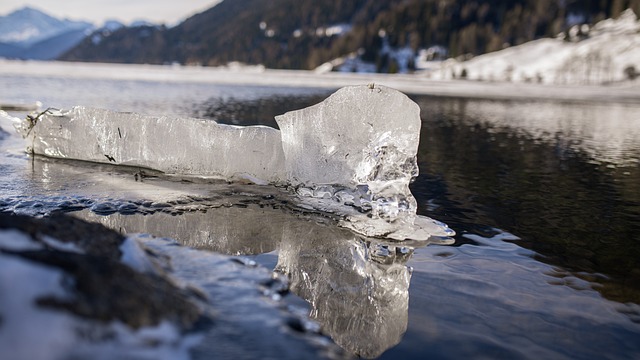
(600, 57)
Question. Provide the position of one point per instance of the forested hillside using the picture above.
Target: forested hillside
(302, 34)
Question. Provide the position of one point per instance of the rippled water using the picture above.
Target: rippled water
(567, 184)
(544, 196)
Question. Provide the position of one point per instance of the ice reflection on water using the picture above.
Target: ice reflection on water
(357, 287)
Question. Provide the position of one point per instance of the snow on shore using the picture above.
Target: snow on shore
(411, 84)
(608, 52)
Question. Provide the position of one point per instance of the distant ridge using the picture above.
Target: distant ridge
(29, 33)
(303, 34)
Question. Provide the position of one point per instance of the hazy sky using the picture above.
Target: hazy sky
(168, 12)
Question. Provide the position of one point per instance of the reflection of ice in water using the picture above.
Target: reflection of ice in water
(357, 286)
(359, 290)
(608, 133)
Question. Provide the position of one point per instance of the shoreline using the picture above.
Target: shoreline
(415, 84)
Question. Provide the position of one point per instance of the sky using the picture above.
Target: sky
(169, 12)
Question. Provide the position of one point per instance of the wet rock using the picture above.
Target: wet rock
(74, 289)
(127, 208)
(93, 239)
(102, 287)
(108, 290)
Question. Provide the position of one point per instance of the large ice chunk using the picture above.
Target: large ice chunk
(169, 144)
(358, 149)
(359, 135)
(352, 155)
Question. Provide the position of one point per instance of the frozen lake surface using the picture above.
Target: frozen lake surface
(544, 198)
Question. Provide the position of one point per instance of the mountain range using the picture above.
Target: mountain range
(304, 34)
(31, 34)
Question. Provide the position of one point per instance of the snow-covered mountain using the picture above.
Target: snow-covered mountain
(607, 52)
(28, 33)
(112, 25)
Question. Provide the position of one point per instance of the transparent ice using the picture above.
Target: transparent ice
(172, 145)
(355, 154)
(352, 155)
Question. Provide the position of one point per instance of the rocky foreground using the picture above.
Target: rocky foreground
(74, 289)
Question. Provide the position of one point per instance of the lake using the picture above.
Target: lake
(544, 197)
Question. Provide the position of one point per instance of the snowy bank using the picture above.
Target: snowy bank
(607, 53)
(66, 293)
(410, 84)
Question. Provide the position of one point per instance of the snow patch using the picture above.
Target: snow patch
(32, 331)
(608, 52)
(15, 240)
(23, 322)
(134, 256)
(62, 246)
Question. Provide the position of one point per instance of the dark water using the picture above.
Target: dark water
(570, 197)
(564, 178)
(544, 197)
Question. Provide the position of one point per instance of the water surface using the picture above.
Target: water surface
(544, 197)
